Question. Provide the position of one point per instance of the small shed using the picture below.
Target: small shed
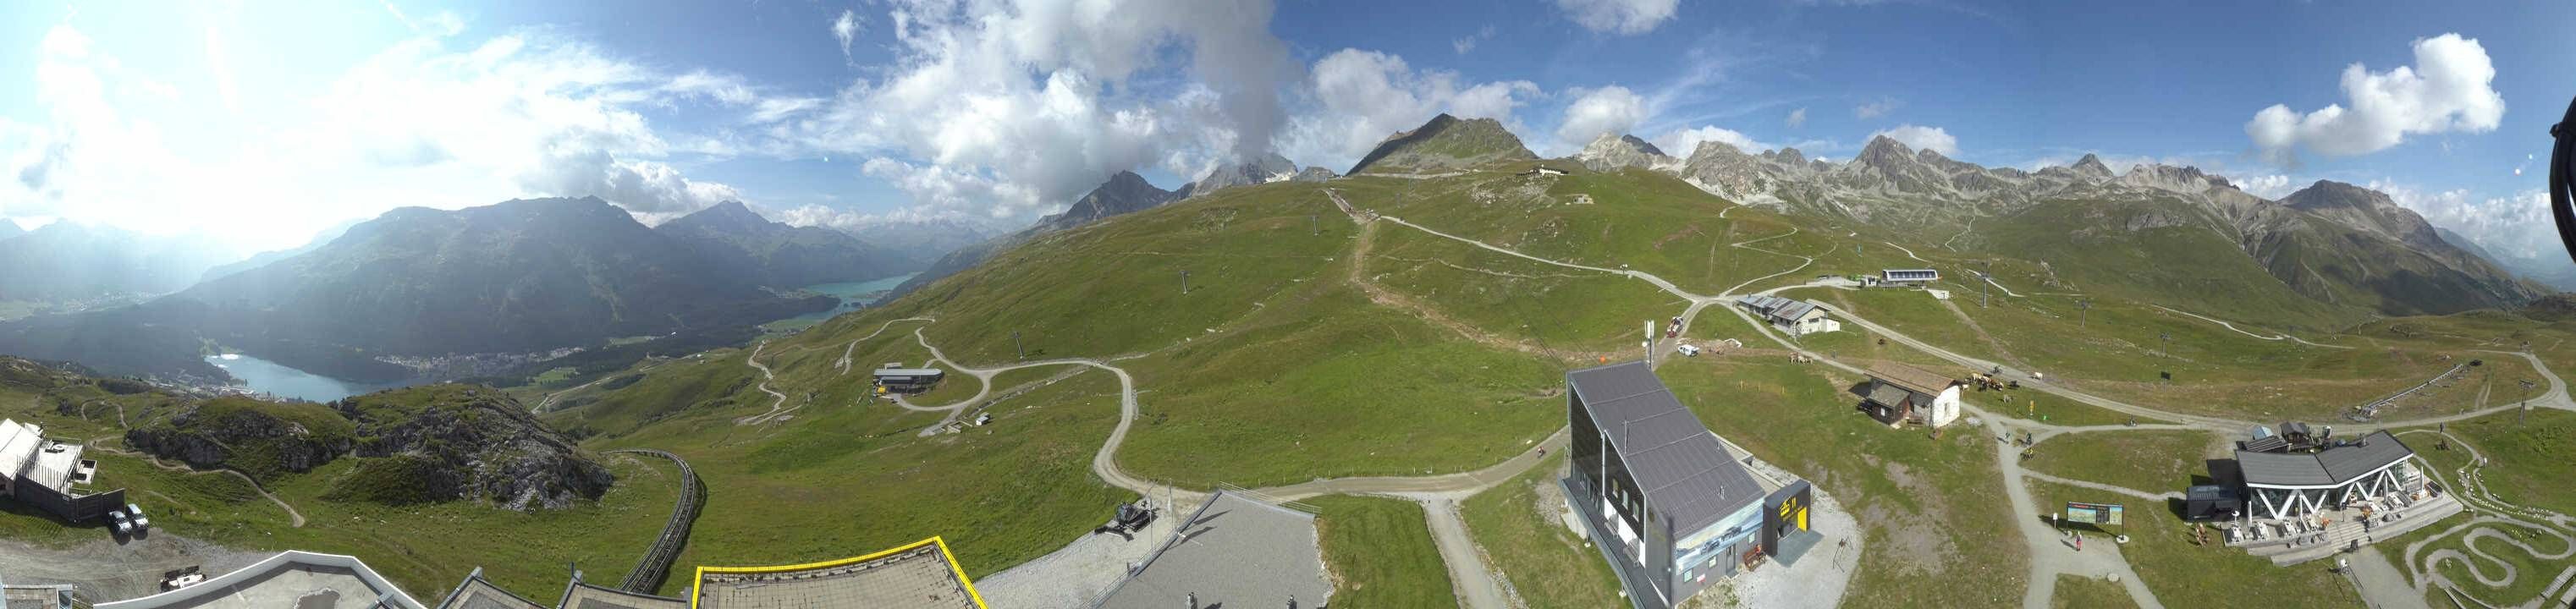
(1900, 393)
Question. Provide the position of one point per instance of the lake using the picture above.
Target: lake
(853, 295)
(273, 378)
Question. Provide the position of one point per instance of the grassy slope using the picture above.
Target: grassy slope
(2150, 461)
(838, 481)
(424, 548)
(1551, 306)
(1545, 564)
(1933, 538)
(2183, 574)
(1380, 553)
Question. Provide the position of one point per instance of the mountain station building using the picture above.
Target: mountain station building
(2301, 506)
(1669, 505)
(51, 475)
(1794, 317)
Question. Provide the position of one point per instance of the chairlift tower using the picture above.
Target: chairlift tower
(2083, 308)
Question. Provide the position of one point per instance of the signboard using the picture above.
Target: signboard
(2093, 513)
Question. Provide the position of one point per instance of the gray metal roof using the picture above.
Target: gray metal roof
(1684, 471)
(2333, 466)
(909, 372)
(1887, 395)
(1233, 551)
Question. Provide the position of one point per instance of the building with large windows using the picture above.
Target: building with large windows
(1670, 508)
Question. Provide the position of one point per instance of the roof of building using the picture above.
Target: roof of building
(287, 579)
(1234, 551)
(479, 593)
(920, 574)
(18, 445)
(1685, 473)
(1887, 394)
(1780, 308)
(909, 372)
(583, 595)
(1910, 378)
(1895, 272)
(2266, 444)
(54, 465)
(2330, 467)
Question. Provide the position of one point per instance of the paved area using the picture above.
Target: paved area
(1077, 574)
(1820, 577)
(1233, 552)
(916, 577)
(2382, 585)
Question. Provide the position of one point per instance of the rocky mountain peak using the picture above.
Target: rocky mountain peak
(1269, 168)
(2184, 179)
(2330, 194)
(1882, 152)
(2091, 167)
(1788, 156)
(1615, 151)
(1446, 142)
(1124, 192)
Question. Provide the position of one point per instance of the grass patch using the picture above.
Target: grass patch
(2157, 461)
(2079, 592)
(1934, 536)
(1545, 564)
(2183, 574)
(1381, 553)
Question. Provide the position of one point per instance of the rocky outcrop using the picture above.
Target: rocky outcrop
(266, 440)
(416, 444)
(1314, 174)
(1270, 168)
(478, 444)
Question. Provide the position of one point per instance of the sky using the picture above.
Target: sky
(260, 123)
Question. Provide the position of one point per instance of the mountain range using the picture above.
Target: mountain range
(515, 277)
(1125, 192)
(2335, 243)
(71, 261)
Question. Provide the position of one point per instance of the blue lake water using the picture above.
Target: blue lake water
(273, 378)
(853, 295)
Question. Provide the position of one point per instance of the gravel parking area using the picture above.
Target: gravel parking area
(1819, 578)
(105, 570)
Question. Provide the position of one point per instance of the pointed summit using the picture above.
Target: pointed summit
(1124, 192)
(1611, 152)
(1445, 143)
(2091, 167)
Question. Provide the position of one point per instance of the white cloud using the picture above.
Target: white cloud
(1466, 43)
(1623, 17)
(2449, 89)
(2269, 186)
(1797, 118)
(1360, 97)
(418, 123)
(2516, 226)
(1681, 142)
(845, 29)
(1049, 98)
(1611, 110)
(1877, 108)
(1934, 139)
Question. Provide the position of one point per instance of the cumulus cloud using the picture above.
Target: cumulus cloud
(1359, 97)
(846, 29)
(1681, 142)
(1917, 137)
(1797, 118)
(1877, 108)
(1046, 99)
(1611, 110)
(1623, 17)
(419, 123)
(2448, 89)
(2511, 227)
(2269, 186)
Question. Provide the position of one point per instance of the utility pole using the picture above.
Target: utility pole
(1989, 291)
(1016, 346)
(2083, 308)
(1185, 281)
(1314, 226)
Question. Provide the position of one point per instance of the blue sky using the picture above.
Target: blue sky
(263, 122)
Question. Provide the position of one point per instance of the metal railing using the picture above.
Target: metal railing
(656, 565)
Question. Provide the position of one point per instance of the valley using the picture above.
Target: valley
(1393, 348)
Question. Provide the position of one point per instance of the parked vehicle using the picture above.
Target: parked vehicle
(140, 521)
(124, 526)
